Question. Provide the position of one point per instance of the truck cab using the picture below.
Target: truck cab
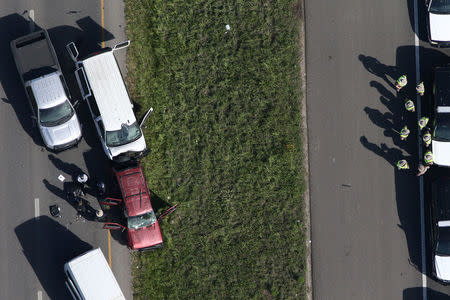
(46, 90)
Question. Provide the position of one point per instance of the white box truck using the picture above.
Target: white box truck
(89, 277)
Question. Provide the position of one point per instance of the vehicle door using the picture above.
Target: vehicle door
(32, 103)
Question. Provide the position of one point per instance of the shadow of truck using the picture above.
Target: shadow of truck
(47, 245)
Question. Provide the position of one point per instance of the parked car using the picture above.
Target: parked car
(46, 90)
(89, 277)
(441, 132)
(439, 232)
(140, 222)
(102, 87)
(438, 15)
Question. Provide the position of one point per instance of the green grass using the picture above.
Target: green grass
(225, 141)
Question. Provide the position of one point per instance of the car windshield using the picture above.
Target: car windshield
(440, 6)
(56, 115)
(127, 134)
(142, 221)
(443, 243)
(442, 128)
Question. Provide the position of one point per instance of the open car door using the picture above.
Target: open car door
(114, 226)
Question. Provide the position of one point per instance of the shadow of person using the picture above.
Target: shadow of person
(380, 119)
(48, 245)
(375, 67)
(386, 94)
(65, 167)
(391, 155)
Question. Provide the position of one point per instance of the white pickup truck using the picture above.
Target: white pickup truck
(46, 90)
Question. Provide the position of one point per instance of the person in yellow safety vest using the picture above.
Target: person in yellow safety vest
(404, 133)
(401, 82)
(428, 157)
(402, 164)
(409, 105)
(420, 88)
(423, 122)
(427, 139)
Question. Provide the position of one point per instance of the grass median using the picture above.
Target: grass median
(225, 141)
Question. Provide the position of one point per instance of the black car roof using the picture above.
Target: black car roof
(442, 81)
(441, 196)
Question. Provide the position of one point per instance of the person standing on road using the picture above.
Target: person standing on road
(428, 157)
(402, 164)
(422, 169)
(420, 88)
(409, 105)
(83, 180)
(423, 122)
(404, 133)
(427, 139)
(401, 82)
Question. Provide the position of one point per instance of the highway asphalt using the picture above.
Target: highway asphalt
(366, 222)
(33, 250)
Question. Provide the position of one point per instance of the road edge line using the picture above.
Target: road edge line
(305, 150)
(419, 140)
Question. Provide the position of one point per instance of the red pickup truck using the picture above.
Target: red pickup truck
(143, 232)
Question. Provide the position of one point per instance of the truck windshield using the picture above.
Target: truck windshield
(442, 129)
(440, 7)
(142, 221)
(56, 115)
(443, 243)
(127, 134)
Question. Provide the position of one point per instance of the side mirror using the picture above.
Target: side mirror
(145, 117)
(73, 51)
(33, 117)
(121, 45)
(114, 226)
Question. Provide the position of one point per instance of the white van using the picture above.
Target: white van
(89, 277)
(102, 86)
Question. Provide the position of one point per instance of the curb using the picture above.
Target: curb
(305, 149)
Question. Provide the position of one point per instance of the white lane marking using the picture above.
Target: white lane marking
(39, 295)
(31, 17)
(419, 111)
(36, 208)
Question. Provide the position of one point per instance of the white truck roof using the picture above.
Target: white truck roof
(94, 276)
(48, 90)
(109, 90)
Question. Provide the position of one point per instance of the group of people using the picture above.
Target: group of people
(75, 193)
(403, 164)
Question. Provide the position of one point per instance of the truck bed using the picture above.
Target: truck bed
(34, 55)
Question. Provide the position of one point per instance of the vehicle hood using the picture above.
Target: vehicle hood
(136, 146)
(441, 153)
(145, 237)
(442, 267)
(439, 27)
(61, 134)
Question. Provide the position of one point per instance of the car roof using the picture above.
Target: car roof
(109, 90)
(48, 90)
(135, 193)
(94, 276)
(441, 197)
(442, 83)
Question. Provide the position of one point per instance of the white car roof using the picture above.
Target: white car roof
(48, 90)
(94, 276)
(441, 153)
(109, 90)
